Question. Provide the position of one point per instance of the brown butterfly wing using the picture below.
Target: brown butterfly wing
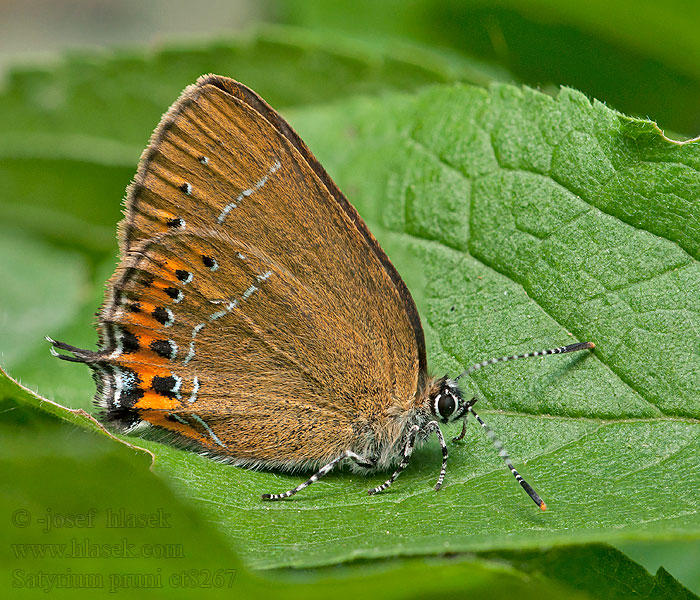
(253, 312)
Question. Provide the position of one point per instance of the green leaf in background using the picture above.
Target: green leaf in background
(74, 387)
(640, 56)
(287, 66)
(599, 570)
(680, 557)
(24, 318)
(71, 134)
(516, 220)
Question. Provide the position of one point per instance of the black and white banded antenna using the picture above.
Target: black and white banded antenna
(469, 408)
(561, 350)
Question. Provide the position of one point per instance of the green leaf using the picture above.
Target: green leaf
(680, 557)
(90, 487)
(25, 316)
(57, 380)
(599, 570)
(59, 485)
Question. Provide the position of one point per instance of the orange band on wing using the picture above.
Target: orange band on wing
(153, 400)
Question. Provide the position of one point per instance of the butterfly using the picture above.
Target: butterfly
(253, 315)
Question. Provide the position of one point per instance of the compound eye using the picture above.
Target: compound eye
(446, 405)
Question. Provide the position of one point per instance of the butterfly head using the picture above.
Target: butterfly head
(446, 401)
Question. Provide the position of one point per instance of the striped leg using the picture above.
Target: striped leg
(506, 459)
(364, 462)
(433, 426)
(464, 411)
(407, 451)
(460, 437)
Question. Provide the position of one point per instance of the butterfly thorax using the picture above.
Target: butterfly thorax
(384, 439)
